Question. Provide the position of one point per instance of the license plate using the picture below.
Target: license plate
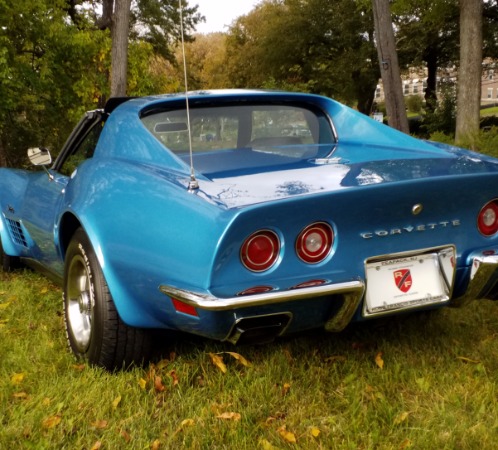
(409, 281)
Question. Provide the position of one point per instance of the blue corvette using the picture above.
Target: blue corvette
(256, 214)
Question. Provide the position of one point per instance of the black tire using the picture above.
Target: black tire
(94, 330)
(8, 263)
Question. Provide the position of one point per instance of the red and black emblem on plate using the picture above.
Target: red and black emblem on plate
(403, 279)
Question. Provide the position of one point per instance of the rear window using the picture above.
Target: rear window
(217, 128)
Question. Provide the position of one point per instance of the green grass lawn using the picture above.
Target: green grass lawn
(423, 381)
(489, 111)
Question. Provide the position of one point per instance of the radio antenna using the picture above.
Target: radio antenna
(193, 183)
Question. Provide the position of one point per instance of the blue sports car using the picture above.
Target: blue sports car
(246, 215)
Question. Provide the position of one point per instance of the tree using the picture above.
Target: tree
(470, 71)
(388, 60)
(119, 54)
(313, 45)
(427, 35)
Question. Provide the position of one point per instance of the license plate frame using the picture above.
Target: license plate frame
(409, 280)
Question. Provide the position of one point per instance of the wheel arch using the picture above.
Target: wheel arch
(68, 224)
(128, 310)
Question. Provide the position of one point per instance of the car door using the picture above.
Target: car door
(44, 197)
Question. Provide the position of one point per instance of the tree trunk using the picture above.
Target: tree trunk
(119, 54)
(470, 72)
(431, 90)
(389, 66)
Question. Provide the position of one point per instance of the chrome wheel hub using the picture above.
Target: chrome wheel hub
(80, 303)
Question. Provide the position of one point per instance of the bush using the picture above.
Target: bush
(414, 103)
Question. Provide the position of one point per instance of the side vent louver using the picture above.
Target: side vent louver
(17, 233)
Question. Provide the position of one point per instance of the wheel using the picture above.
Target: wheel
(94, 330)
(8, 263)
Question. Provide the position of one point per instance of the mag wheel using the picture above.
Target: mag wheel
(94, 329)
(8, 263)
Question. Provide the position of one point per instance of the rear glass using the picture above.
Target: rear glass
(232, 127)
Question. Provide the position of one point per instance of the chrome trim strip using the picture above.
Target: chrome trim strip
(206, 301)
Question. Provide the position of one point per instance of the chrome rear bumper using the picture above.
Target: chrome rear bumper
(351, 294)
(483, 279)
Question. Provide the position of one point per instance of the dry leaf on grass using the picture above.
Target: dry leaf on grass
(51, 422)
(174, 376)
(240, 358)
(17, 378)
(287, 435)
(285, 389)
(125, 435)
(230, 416)
(158, 384)
(116, 402)
(99, 424)
(142, 383)
(315, 432)
(96, 446)
(379, 361)
(400, 418)
(468, 360)
(265, 445)
(156, 445)
(218, 362)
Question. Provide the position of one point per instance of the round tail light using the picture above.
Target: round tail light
(260, 250)
(314, 243)
(487, 220)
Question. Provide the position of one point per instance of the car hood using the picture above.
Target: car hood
(349, 166)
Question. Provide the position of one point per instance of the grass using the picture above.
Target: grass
(489, 111)
(437, 388)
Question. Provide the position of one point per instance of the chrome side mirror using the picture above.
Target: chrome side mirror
(39, 156)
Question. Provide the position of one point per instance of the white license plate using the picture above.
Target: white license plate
(409, 281)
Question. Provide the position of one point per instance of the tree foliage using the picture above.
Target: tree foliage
(55, 64)
(310, 45)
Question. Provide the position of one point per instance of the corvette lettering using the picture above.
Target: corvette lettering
(411, 229)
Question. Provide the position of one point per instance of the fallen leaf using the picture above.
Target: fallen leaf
(405, 444)
(184, 424)
(240, 358)
(97, 445)
(20, 395)
(287, 435)
(187, 423)
(286, 388)
(400, 418)
(51, 422)
(79, 367)
(467, 360)
(173, 375)
(158, 384)
(116, 402)
(99, 424)
(379, 361)
(44, 290)
(230, 416)
(125, 435)
(265, 445)
(17, 378)
(142, 383)
(218, 362)
(156, 445)
(315, 432)
(46, 401)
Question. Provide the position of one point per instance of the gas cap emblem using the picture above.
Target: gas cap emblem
(417, 209)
